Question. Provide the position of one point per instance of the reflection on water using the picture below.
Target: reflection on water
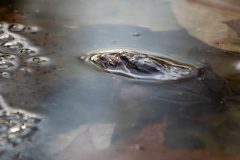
(216, 33)
(92, 115)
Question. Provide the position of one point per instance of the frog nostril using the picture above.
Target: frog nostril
(123, 57)
(103, 59)
(113, 64)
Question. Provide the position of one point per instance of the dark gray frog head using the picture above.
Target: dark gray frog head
(138, 65)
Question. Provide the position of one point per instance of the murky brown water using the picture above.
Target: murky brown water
(55, 107)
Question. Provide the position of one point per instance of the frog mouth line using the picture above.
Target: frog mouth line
(139, 65)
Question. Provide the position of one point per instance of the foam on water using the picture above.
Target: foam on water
(8, 62)
(16, 126)
(17, 54)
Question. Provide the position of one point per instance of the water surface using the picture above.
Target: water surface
(90, 114)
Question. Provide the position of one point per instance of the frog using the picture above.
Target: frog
(137, 65)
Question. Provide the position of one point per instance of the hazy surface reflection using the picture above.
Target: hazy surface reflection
(89, 114)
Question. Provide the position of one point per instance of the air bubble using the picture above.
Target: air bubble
(8, 62)
(26, 70)
(6, 38)
(15, 127)
(32, 29)
(11, 47)
(38, 61)
(5, 75)
(16, 27)
(28, 52)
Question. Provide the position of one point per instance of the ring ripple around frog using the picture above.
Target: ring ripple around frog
(140, 66)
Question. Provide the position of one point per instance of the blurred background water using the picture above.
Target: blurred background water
(87, 114)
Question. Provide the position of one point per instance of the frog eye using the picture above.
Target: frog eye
(103, 59)
(113, 64)
(124, 58)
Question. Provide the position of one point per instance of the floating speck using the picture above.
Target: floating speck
(135, 34)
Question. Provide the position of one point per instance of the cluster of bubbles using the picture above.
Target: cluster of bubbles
(16, 127)
(16, 52)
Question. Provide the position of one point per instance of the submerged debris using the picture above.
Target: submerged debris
(141, 66)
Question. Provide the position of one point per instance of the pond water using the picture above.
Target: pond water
(55, 106)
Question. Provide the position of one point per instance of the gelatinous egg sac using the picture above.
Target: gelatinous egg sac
(141, 66)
